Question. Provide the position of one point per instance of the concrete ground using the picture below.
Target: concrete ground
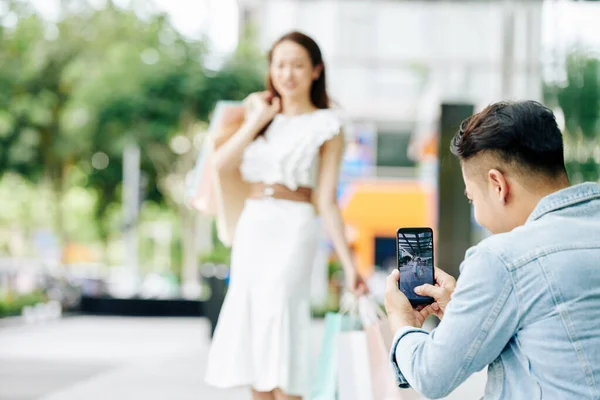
(101, 358)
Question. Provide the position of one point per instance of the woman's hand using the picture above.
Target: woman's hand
(261, 108)
(355, 284)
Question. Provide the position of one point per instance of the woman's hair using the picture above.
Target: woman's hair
(318, 90)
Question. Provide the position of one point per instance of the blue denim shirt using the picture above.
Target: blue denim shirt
(527, 305)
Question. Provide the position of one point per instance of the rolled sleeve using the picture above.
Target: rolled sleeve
(405, 340)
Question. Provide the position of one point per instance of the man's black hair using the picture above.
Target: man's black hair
(525, 133)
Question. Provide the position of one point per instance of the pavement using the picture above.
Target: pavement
(112, 358)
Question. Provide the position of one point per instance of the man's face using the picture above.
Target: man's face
(488, 205)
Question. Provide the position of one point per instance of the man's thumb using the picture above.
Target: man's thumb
(430, 291)
(392, 280)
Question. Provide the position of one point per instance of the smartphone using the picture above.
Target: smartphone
(415, 262)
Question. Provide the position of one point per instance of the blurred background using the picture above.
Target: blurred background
(104, 105)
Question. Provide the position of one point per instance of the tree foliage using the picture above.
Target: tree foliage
(579, 99)
(96, 80)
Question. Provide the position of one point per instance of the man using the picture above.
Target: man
(528, 299)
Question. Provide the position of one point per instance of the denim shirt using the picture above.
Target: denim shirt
(527, 305)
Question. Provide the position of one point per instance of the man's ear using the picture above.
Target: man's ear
(499, 185)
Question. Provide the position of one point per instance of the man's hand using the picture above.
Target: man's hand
(441, 292)
(399, 310)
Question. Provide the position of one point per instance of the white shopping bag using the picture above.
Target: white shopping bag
(354, 374)
(379, 341)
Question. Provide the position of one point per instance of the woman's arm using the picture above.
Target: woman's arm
(229, 155)
(331, 156)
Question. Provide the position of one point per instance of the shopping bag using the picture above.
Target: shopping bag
(379, 341)
(200, 191)
(354, 375)
(325, 379)
(219, 193)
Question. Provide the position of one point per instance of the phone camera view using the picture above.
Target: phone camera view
(415, 262)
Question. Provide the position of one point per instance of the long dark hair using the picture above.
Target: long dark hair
(318, 90)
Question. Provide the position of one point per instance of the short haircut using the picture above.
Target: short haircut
(524, 133)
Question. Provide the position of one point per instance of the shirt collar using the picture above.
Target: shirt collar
(564, 198)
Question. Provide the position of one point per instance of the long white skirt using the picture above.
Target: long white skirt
(263, 333)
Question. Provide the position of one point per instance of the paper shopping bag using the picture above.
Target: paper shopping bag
(200, 192)
(354, 375)
(379, 341)
(325, 379)
(221, 193)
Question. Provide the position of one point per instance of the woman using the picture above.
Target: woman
(289, 146)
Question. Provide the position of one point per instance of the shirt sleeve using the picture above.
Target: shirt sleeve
(478, 323)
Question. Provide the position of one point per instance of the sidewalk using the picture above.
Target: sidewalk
(99, 358)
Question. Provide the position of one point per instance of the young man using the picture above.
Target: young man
(528, 299)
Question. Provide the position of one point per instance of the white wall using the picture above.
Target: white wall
(376, 52)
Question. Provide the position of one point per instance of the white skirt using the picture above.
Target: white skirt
(263, 333)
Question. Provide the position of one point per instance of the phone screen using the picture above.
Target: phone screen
(415, 262)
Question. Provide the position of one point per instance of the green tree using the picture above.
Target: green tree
(162, 103)
(579, 99)
(39, 120)
(74, 93)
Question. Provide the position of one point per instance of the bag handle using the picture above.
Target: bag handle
(370, 311)
(365, 308)
(349, 305)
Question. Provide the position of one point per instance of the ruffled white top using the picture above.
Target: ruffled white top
(288, 153)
